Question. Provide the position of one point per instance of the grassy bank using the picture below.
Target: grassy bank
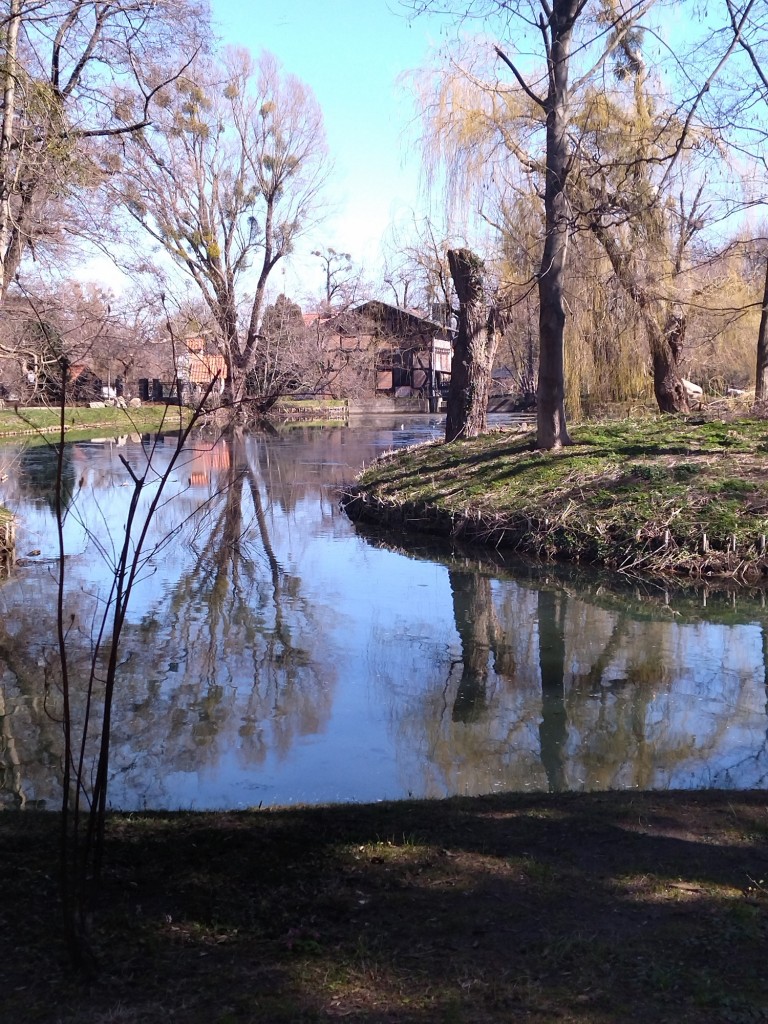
(36, 421)
(665, 496)
(309, 412)
(591, 909)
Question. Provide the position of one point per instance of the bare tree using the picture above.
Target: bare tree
(417, 271)
(225, 181)
(340, 277)
(81, 325)
(72, 69)
(44, 330)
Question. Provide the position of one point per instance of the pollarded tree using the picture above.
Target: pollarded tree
(67, 67)
(225, 180)
(474, 348)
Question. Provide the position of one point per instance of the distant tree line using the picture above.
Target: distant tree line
(604, 159)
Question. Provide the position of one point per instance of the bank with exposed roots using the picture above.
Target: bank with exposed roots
(668, 496)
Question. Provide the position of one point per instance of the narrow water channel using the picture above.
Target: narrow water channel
(275, 654)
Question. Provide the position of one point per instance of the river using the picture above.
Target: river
(274, 654)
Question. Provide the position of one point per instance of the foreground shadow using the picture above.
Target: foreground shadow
(600, 907)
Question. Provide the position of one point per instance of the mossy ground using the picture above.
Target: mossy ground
(588, 909)
(667, 495)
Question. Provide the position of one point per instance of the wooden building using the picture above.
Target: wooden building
(196, 370)
(388, 350)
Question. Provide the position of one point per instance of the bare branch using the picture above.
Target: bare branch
(520, 80)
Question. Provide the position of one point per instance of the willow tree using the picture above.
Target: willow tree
(477, 125)
(225, 181)
(749, 29)
(636, 158)
(620, 194)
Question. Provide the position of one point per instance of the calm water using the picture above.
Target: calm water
(274, 654)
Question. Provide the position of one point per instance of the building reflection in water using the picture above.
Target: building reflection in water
(275, 653)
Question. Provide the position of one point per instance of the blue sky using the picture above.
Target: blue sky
(355, 55)
(351, 53)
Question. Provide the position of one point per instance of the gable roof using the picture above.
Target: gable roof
(409, 318)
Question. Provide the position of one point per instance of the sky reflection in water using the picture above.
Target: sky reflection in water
(274, 655)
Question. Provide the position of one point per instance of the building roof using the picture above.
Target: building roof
(378, 310)
(76, 370)
(203, 368)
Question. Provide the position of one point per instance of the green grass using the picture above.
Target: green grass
(668, 495)
(83, 420)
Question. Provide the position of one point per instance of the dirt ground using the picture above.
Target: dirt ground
(581, 908)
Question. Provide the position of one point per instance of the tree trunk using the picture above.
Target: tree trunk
(761, 374)
(552, 431)
(7, 178)
(474, 616)
(230, 347)
(665, 342)
(553, 728)
(473, 349)
(668, 386)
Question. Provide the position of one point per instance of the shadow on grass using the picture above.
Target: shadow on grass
(643, 907)
(653, 442)
(490, 467)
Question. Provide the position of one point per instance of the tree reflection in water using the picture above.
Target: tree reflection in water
(247, 613)
(276, 652)
(211, 666)
(476, 625)
(244, 684)
(618, 696)
(553, 729)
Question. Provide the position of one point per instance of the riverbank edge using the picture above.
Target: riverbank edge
(47, 422)
(79, 425)
(579, 907)
(554, 525)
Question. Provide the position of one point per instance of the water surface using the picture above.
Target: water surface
(273, 653)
